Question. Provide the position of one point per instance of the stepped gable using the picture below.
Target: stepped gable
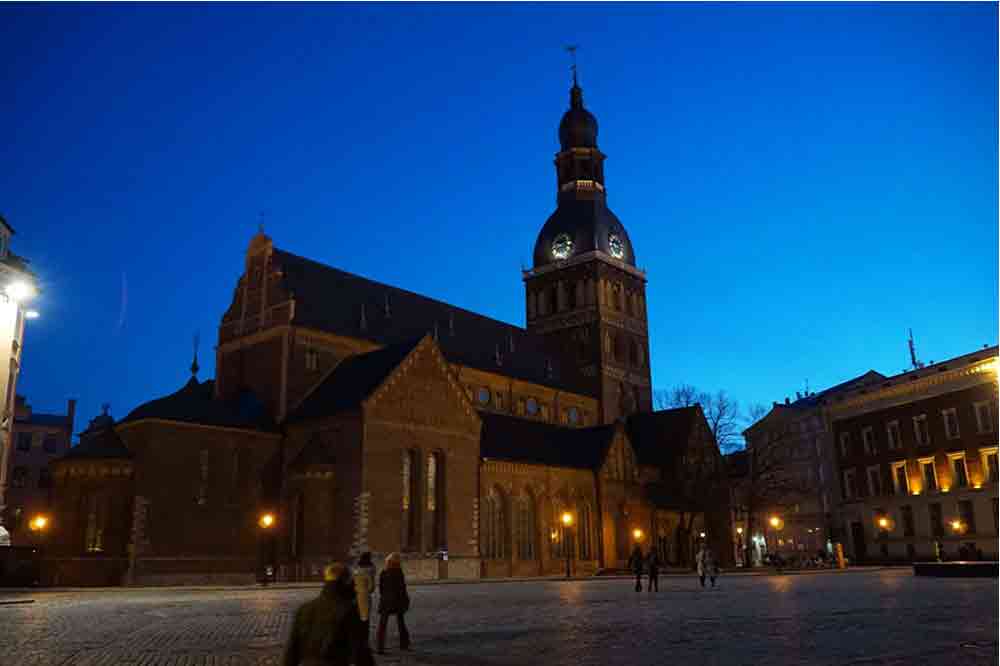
(514, 439)
(195, 403)
(98, 442)
(353, 380)
(335, 301)
(660, 438)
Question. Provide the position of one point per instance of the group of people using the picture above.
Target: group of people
(334, 628)
(706, 564)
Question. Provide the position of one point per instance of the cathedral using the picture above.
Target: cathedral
(347, 415)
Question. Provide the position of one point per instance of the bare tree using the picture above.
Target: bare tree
(721, 411)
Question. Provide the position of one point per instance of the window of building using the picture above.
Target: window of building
(928, 471)
(989, 458)
(950, 417)
(532, 407)
(920, 432)
(572, 415)
(959, 473)
(483, 396)
(984, 417)
(51, 443)
(892, 435)
(24, 441)
(850, 489)
(526, 528)
(493, 522)
(967, 515)
(874, 481)
(18, 517)
(906, 513)
(436, 499)
(901, 482)
(845, 444)
(410, 467)
(312, 359)
(498, 400)
(44, 478)
(937, 520)
(585, 531)
(868, 438)
(94, 535)
(19, 479)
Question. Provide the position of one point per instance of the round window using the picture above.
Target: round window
(572, 415)
(562, 246)
(483, 396)
(531, 406)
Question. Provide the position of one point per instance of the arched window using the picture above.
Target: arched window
(586, 531)
(526, 530)
(493, 527)
(621, 534)
(410, 507)
(435, 499)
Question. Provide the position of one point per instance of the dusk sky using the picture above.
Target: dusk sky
(802, 183)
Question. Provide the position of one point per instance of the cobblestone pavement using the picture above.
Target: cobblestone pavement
(882, 617)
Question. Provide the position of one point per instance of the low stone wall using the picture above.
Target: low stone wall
(195, 579)
(957, 569)
(84, 571)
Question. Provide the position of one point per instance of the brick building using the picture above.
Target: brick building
(366, 417)
(38, 440)
(917, 459)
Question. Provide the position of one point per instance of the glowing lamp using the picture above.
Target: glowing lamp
(956, 525)
(266, 520)
(776, 522)
(701, 534)
(31, 314)
(567, 518)
(739, 530)
(637, 533)
(20, 291)
(38, 523)
(883, 522)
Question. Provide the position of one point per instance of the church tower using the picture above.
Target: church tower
(584, 293)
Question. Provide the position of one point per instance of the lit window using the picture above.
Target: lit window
(892, 434)
(868, 437)
(950, 423)
(959, 473)
(483, 396)
(874, 481)
(531, 406)
(989, 458)
(900, 481)
(572, 415)
(928, 471)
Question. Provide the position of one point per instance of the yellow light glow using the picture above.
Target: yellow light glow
(266, 520)
(554, 535)
(31, 314)
(977, 486)
(739, 530)
(701, 534)
(883, 522)
(20, 291)
(637, 533)
(956, 525)
(38, 523)
(567, 518)
(775, 521)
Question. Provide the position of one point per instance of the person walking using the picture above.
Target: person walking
(364, 587)
(707, 565)
(393, 600)
(324, 630)
(653, 571)
(699, 561)
(635, 563)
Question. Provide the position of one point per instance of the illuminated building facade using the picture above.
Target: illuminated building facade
(917, 462)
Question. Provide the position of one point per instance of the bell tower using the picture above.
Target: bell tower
(584, 293)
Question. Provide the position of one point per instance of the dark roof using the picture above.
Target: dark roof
(659, 438)
(333, 300)
(353, 380)
(315, 452)
(520, 440)
(96, 444)
(588, 222)
(195, 403)
(737, 464)
(61, 420)
(814, 399)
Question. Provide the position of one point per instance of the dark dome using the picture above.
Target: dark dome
(589, 224)
(578, 127)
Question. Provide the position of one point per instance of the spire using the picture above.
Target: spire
(575, 93)
(194, 362)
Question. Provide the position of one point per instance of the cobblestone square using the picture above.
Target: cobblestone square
(874, 617)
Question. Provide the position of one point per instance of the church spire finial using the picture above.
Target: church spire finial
(575, 93)
(194, 361)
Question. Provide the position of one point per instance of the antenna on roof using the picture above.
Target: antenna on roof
(435, 331)
(913, 354)
(194, 361)
(105, 409)
(364, 320)
(451, 323)
(388, 312)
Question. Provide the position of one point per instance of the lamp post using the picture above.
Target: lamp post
(739, 545)
(267, 521)
(39, 525)
(567, 521)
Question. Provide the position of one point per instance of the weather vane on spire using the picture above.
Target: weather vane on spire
(571, 49)
(194, 362)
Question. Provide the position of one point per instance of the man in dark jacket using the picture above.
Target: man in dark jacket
(653, 568)
(393, 600)
(635, 563)
(325, 629)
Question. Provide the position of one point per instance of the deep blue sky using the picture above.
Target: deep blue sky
(801, 182)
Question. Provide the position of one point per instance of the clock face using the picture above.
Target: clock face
(616, 246)
(562, 246)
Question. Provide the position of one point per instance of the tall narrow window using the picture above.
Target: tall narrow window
(874, 481)
(901, 481)
(868, 437)
(850, 491)
(845, 444)
(959, 474)
(586, 529)
(937, 520)
(950, 417)
(920, 431)
(906, 513)
(967, 515)
(493, 527)
(203, 484)
(929, 472)
(410, 507)
(435, 499)
(984, 417)
(526, 530)
(94, 536)
(989, 463)
(892, 434)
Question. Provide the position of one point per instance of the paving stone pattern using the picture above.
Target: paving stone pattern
(882, 617)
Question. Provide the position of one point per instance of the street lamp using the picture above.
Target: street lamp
(266, 520)
(39, 523)
(776, 522)
(567, 521)
(637, 533)
(957, 526)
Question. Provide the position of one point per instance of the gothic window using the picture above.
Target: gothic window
(493, 527)
(94, 535)
(410, 486)
(435, 498)
(570, 295)
(203, 484)
(586, 531)
(526, 529)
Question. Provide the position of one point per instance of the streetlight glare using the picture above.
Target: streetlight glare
(567, 518)
(775, 521)
(31, 314)
(39, 523)
(637, 533)
(266, 520)
(20, 291)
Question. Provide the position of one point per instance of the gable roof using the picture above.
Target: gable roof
(315, 452)
(332, 300)
(353, 380)
(659, 438)
(521, 440)
(814, 399)
(103, 443)
(195, 403)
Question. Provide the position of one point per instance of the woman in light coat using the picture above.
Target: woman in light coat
(707, 566)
